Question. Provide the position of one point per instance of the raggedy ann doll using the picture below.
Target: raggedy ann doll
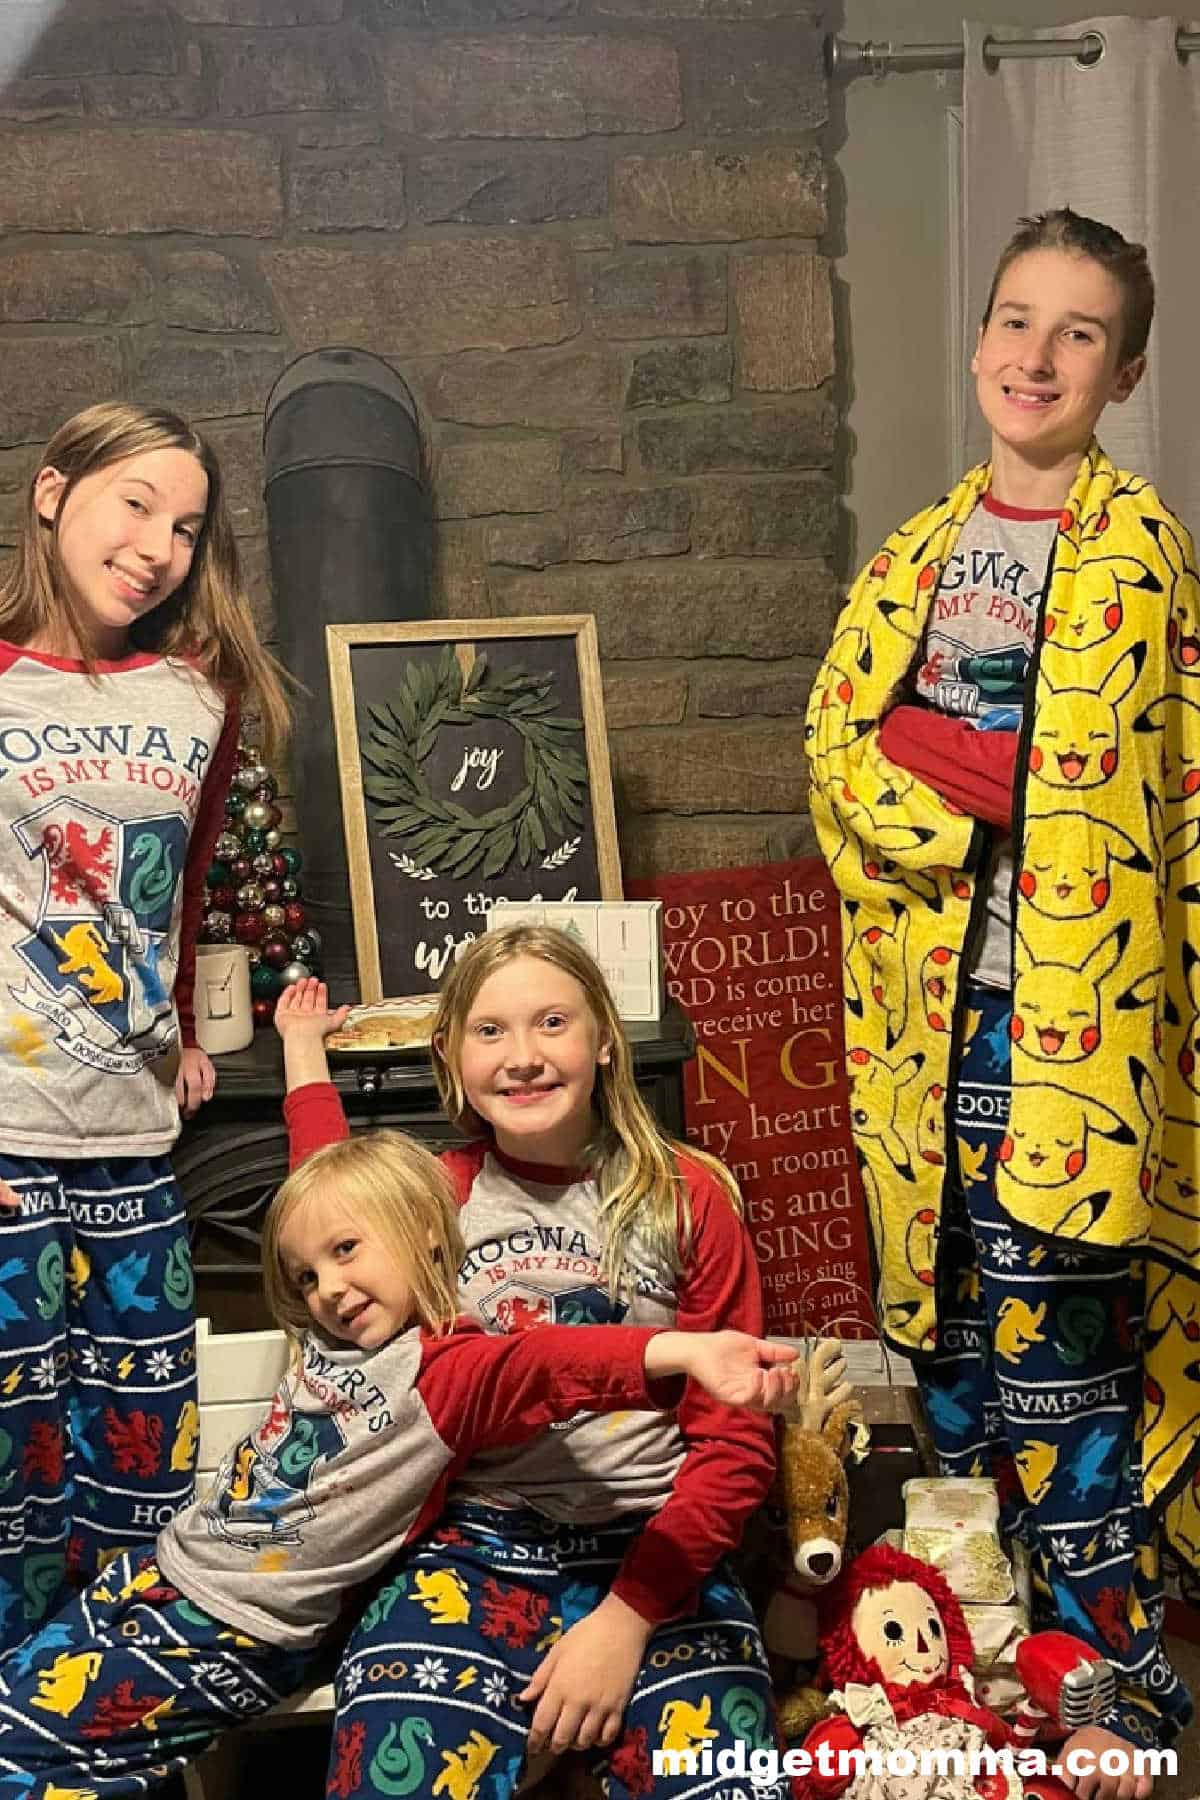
(896, 1650)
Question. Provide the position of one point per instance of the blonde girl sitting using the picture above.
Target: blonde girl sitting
(387, 1398)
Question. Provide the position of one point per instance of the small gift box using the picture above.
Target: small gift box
(967, 1502)
(971, 1561)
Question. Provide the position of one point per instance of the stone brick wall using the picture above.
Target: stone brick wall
(586, 231)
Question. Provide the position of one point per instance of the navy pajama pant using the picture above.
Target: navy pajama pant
(1037, 1382)
(428, 1683)
(127, 1684)
(98, 1416)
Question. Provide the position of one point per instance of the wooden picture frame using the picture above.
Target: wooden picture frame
(473, 766)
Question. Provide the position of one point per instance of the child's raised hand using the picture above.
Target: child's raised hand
(734, 1368)
(303, 1020)
(303, 1010)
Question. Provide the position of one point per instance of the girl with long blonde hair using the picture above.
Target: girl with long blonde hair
(388, 1395)
(606, 1536)
(127, 651)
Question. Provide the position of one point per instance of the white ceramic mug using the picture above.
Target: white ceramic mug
(224, 1020)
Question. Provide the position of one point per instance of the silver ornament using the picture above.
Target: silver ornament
(227, 846)
(290, 888)
(247, 776)
(304, 947)
(250, 897)
(273, 839)
(274, 917)
(295, 971)
(254, 955)
(217, 927)
(264, 865)
(314, 937)
(256, 815)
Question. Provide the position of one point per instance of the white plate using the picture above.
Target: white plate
(418, 1010)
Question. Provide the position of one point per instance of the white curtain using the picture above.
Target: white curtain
(1120, 141)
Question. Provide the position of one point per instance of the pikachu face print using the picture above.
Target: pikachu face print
(1067, 865)
(1048, 1140)
(1056, 1007)
(1183, 605)
(1077, 734)
(1078, 618)
(1178, 720)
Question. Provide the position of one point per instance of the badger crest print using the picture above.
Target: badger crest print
(1103, 1144)
(107, 890)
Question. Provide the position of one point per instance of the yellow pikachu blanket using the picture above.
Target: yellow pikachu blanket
(1103, 1143)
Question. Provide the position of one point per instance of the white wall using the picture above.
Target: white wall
(889, 235)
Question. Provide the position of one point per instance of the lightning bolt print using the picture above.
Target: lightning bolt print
(466, 1679)
(125, 1366)
(12, 1380)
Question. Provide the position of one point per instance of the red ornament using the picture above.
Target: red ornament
(272, 891)
(294, 916)
(277, 950)
(225, 898)
(241, 869)
(249, 928)
(281, 864)
(263, 1011)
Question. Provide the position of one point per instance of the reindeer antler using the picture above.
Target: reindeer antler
(823, 1385)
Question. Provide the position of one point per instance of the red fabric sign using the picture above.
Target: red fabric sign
(754, 957)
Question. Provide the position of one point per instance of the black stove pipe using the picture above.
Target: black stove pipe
(349, 533)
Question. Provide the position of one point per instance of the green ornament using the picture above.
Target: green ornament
(218, 875)
(254, 841)
(292, 858)
(265, 982)
(235, 802)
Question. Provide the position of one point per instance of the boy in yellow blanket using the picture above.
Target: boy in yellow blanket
(1005, 752)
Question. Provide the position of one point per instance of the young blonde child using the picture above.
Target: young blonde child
(389, 1396)
(589, 1563)
(126, 650)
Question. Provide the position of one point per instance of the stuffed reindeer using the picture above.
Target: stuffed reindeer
(818, 1433)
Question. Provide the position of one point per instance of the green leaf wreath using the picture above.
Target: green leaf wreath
(447, 838)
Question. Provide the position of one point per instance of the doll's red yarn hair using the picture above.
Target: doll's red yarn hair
(879, 1567)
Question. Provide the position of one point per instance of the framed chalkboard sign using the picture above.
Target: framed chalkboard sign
(473, 763)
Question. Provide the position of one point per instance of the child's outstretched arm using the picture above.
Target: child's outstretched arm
(732, 1367)
(304, 1019)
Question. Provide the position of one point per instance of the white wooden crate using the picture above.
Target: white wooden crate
(624, 936)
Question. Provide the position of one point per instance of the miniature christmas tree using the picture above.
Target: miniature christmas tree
(254, 888)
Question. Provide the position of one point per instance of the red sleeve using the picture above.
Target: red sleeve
(730, 1455)
(516, 1384)
(972, 769)
(462, 1166)
(207, 828)
(314, 1116)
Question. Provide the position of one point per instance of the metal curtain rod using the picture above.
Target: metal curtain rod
(847, 59)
